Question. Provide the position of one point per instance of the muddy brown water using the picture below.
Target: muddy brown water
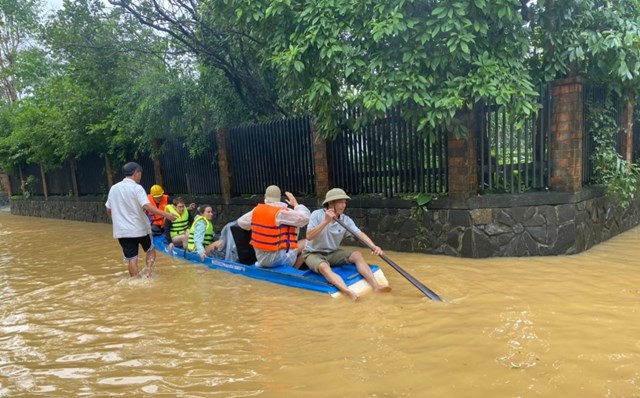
(72, 324)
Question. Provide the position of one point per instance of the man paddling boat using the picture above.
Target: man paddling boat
(324, 236)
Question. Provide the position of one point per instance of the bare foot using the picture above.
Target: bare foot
(353, 295)
(171, 246)
(383, 289)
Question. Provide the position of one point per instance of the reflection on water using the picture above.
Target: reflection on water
(73, 324)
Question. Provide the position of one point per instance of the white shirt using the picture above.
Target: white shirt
(125, 201)
(331, 236)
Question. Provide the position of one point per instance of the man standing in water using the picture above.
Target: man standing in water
(126, 205)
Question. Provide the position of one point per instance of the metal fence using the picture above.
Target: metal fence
(278, 152)
(599, 99)
(389, 158)
(184, 174)
(512, 159)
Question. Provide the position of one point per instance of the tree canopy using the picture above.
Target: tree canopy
(119, 78)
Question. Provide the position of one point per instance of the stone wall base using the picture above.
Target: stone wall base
(533, 224)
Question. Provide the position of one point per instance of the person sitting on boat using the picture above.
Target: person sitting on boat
(159, 200)
(274, 229)
(201, 235)
(177, 232)
(324, 236)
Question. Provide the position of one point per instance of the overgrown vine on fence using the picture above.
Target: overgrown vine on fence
(619, 176)
(422, 200)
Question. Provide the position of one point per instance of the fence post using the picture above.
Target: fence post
(627, 125)
(567, 134)
(320, 163)
(463, 164)
(224, 163)
(74, 177)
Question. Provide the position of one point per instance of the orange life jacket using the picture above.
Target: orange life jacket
(155, 219)
(269, 236)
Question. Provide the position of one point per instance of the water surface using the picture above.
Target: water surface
(72, 323)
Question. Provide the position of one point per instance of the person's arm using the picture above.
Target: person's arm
(167, 230)
(296, 217)
(377, 250)
(154, 210)
(198, 238)
(313, 230)
(244, 221)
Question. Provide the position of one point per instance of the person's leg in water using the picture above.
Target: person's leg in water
(150, 260)
(130, 253)
(133, 266)
(150, 254)
(336, 280)
(364, 270)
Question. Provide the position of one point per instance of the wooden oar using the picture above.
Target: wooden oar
(427, 292)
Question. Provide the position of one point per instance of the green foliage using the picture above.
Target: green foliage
(26, 186)
(18, 23)
(595, 38)
(441, 56)
(616, 174)
(417, 214)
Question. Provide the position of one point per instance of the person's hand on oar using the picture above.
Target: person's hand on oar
(323, 251)
(369, 243)
(377, 250)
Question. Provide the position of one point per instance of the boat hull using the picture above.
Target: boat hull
(282, 275)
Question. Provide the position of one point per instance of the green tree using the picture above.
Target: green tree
(204, 31)
(18, 24)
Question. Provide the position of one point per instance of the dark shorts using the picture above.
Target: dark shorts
(130, 246)
(156, 230)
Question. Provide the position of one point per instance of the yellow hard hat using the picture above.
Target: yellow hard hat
(157, 190)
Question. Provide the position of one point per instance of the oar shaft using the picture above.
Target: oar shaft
(425, 290)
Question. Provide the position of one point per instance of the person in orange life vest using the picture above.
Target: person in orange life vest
(177, 232)
(159, 200)
(274, 229)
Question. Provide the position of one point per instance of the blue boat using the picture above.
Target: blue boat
(283, 275)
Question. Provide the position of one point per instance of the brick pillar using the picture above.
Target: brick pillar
(224, 164)
(566, 135)
(320, 163)
(463, 161)
(627, 126)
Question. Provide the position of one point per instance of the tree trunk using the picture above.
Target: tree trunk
(110, 175)
(74, 177)
(627, 124)
(45, 188)
(157, 165)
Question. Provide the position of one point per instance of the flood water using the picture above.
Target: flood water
(72, 324)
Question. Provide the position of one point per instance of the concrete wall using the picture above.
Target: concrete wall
(545, 223)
